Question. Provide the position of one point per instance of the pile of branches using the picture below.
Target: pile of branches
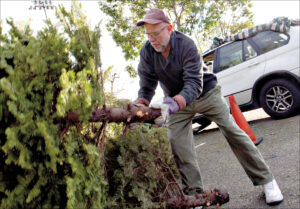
(168, 190)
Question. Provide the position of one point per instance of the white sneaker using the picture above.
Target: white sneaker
(197, 207)
(273, 193)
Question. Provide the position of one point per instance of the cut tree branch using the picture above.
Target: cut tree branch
(216, 197)
(133, 114)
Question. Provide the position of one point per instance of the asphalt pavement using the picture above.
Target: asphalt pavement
(280, 149)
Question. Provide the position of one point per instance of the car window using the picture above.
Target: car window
(231, 55)
(249, 51)
(269, 40)
(209, 61)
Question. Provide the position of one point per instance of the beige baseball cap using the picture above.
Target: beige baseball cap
(154, 16)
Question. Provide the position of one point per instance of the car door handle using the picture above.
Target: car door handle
(253, 64)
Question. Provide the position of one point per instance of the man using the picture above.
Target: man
(172, 59)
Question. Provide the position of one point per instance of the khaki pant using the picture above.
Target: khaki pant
(214, 107)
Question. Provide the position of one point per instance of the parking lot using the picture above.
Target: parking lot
(280, 148)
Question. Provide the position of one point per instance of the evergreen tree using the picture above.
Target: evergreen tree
(46, 163)
(42, 78)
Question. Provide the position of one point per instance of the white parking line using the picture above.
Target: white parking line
(199, 145)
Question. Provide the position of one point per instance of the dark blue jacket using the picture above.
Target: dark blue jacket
(181, 74)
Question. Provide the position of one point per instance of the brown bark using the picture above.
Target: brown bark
(216, 197)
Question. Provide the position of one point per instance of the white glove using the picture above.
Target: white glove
(164, 108)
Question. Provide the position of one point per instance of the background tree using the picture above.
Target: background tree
(223, 18)
(201, 19)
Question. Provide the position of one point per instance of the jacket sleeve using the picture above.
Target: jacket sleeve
(192, 73)
(148, 78)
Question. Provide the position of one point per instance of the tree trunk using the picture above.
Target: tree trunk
(215, 197)
(133, 114)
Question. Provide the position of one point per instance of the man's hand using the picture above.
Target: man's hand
(172, 104)
(142, 101)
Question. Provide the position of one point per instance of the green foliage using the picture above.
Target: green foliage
(45, 163)
(131, 167)
(42, 77)
(202, 19)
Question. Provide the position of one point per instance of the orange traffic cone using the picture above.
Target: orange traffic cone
(241, 121)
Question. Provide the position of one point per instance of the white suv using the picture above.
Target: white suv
(260, 71)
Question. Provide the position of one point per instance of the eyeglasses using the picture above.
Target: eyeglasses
(157, 33)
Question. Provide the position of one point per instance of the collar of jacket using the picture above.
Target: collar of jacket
(172, 42)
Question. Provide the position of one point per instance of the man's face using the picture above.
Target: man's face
(158, 35)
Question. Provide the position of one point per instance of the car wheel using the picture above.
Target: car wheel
(280, 98)
(202, 121)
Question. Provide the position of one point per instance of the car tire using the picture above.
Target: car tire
(202, 121)
(280, 98)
